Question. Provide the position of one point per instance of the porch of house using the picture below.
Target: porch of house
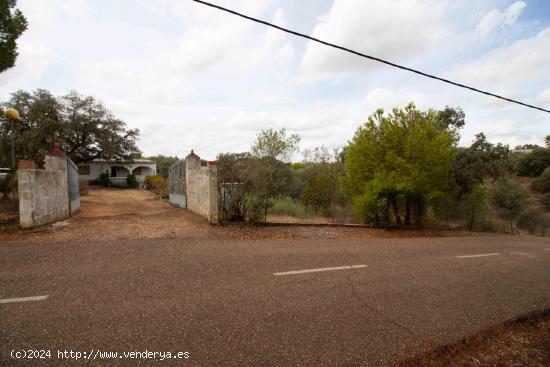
(119, 174)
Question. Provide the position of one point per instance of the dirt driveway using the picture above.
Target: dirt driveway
(108, 214)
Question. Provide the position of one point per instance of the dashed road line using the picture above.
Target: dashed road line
(23, 299)
(293, 272)
(522, 254)
(477, 255)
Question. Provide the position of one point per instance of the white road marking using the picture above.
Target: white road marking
(521, 254)
(23, 299)
(348, 267)
(478, 255)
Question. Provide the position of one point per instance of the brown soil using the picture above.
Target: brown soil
(108, 214)
(521, 342)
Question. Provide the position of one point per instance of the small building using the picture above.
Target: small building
(117, 170)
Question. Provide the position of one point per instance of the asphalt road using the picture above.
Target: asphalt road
(221, 302)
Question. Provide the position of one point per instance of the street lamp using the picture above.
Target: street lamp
(12, 114)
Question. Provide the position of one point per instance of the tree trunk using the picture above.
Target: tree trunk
(332, 205)
(265, 210)
(396, 212)
(419, 211)
(407, 211)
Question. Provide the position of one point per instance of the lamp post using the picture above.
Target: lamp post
(12, 114)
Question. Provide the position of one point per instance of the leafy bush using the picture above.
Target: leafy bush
(158, 185)
(8, 184)
(545, 201)
(533, 220)
(534, 163)
(509, 199)
(256, 208)
(131, 181)
(470, 208)
(542, 183)
(103, 180)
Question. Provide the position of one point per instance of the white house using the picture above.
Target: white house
(118, 171)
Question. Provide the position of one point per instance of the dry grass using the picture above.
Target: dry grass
(524, 341)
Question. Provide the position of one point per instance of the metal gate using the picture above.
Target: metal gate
(233, 202)
(176, 184)
(74, 187)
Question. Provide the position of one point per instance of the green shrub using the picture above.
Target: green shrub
(158, 185)
(545, 201)
(542, 183)
(532, 220)
(255, 211)
(534, 163)
(131, 181)
(509, 199)
(103, 180)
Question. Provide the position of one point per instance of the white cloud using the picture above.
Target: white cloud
(524, 61)
(36, 55)
(544, 96)
(392, 29)
(496, 18)
(270, 98)
(33, 61)
(388, 99)
(165, 73)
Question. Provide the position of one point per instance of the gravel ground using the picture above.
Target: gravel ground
(111, 214)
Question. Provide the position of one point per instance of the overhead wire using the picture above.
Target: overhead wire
(357, 53)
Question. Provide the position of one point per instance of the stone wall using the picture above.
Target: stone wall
(201, 187)
(43, 193)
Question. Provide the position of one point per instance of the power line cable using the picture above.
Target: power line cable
(367, 56)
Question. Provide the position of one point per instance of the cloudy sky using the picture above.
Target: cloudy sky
(192, 77)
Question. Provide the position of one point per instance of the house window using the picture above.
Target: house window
(83, 170)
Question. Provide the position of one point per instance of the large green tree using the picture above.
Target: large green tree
(83, 126)
(12, 25)
(399, 162)
(263, 180)
(533, 163)
(275, 144)
(466, 198)
(479, 161)
(509, 199)
(322, 172)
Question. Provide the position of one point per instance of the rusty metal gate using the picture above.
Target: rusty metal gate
(74, 187)
(176, 184)
(233, 201)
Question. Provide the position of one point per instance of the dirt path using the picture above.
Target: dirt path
(108, 214)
